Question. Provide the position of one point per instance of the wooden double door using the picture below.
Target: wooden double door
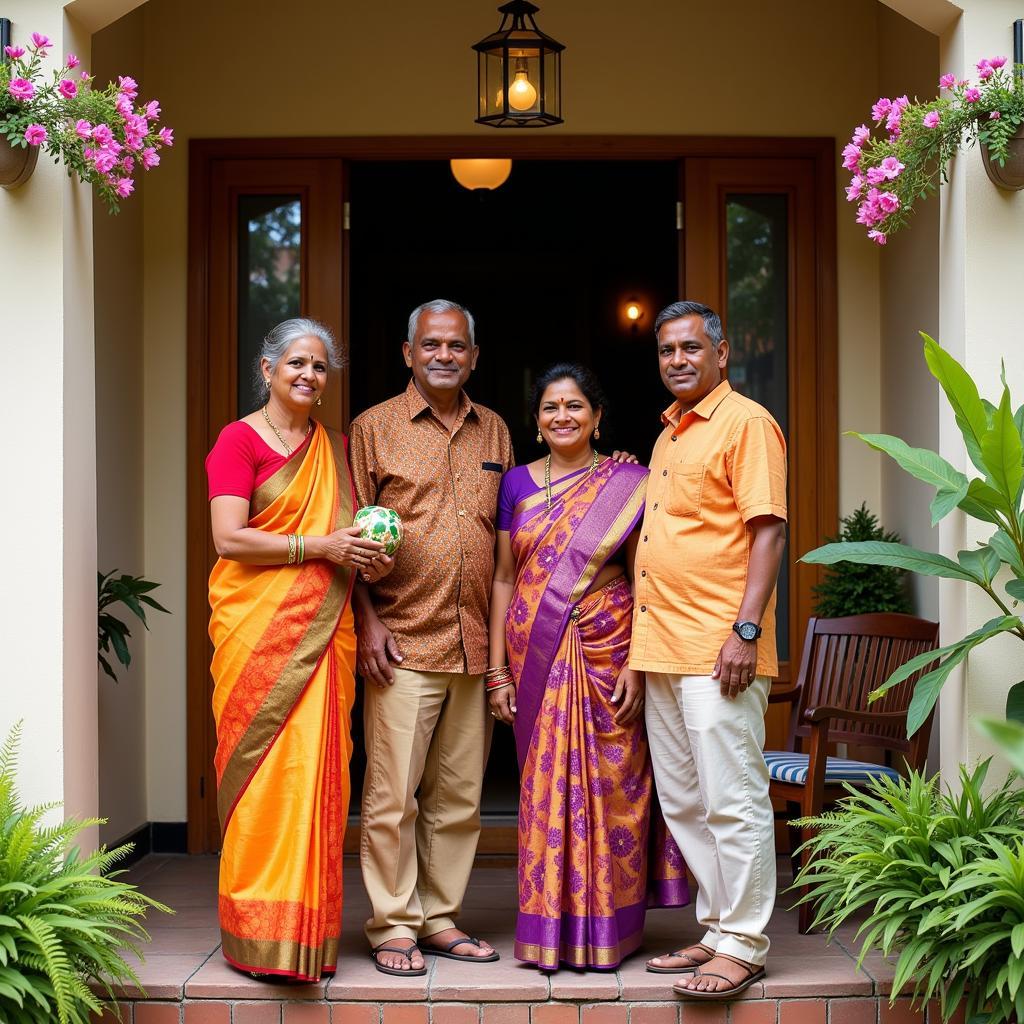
(355, 232)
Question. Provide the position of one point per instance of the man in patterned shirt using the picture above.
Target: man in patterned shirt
(437, 459)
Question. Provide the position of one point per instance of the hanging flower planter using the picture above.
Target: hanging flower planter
(904, 157)
(1010, 175)
(16, 163)
(104, 137)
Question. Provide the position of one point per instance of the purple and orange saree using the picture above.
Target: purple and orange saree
(590, 859)
(283, 672)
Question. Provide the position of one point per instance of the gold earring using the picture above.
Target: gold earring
(540, 437)
(319, 401)
(597, 433)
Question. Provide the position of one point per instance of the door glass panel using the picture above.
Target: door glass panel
(757, 323)
(269, 279)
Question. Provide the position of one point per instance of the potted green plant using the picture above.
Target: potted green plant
(66, 921)
(907, 152)
(100, 135)
(133, 592)
(936, 881)
(853, 588)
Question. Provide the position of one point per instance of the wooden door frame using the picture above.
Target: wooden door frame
(204, 157)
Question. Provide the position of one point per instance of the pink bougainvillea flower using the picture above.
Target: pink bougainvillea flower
(127, 164)
(996, 62)
(104, 161)
(68, 89)
(854, 189)
(15, 52)
(851, 156)
(41, 42)
(972, 95)
(931, 119)
(875, 175)
(124, 187)
(83, 129)
(123, 105)
(881, 109)
(986, 72)
(21, 89)
(102, 134)
(127, 86)
(84, 76)
(861, 134)
(947, 81)
(877, 236)
(149, 158)
(136, 124)
(889, 202)
(891, 167)
(35, 134)
(133, 141)
(72, 62)
(994, 115)
(166, 136)
(153, 110)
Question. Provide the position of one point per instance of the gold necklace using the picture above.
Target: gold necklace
(547, 476)
(287, 447)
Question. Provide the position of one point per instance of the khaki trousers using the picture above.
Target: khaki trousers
(713, 787)
(427, 738)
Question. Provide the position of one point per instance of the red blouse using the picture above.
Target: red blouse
(240, 461)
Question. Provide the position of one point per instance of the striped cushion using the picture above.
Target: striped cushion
(785, 766)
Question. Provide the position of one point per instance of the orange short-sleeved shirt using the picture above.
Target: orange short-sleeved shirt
(713, 470)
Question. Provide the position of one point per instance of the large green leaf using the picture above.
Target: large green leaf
(1002, 543)
(1000, 624)
(950, 484)
(1008, 736)
(962, 394)
(984, 502)
(983, 561)
(1015, 588)
(928, 687)
(1003, 453)
(1015, 703)
(901, 556)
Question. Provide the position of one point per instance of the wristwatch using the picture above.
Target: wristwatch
(746, 630)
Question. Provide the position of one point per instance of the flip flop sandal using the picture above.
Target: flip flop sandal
(397, 971)
(682, 955)
(469, 958)
(734, 989)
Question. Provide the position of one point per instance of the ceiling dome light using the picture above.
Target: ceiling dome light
(485, 174)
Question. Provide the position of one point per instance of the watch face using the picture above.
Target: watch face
(747, 630)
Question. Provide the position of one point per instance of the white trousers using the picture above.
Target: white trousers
(713, 787)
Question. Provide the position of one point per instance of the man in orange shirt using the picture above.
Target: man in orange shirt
(711, 545)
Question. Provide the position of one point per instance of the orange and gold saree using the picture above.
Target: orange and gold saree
(283, 674)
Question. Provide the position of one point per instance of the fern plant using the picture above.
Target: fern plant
(65, 921)
(853, 588)
(939, 877)
(133, 593)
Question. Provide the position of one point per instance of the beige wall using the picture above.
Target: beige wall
(119, 460)
(365, 69)
(909, 63)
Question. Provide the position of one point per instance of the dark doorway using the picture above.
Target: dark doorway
(548, 264)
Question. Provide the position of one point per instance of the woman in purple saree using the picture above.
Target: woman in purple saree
(591, 860)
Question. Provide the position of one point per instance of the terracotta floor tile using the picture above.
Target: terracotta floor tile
(505, 1013)
(310, 1013)
(454, 1013)
(157, 1013)
(654, 1013)
(207, 1013)
(256, 1013)
(216, 979)
(754, 1011)
(808, 975)
(802, 1011)
(570, 984)
(853, 1011)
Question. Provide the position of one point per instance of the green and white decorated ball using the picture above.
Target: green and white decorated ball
(382, 525)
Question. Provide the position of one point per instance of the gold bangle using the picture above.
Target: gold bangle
(291, 548)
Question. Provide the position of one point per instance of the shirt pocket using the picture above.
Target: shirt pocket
(686, 490)
(487, 490)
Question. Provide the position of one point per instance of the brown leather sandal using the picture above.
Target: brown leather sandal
(754, 973)
(682, 954)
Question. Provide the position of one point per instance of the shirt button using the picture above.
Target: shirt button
(645, 538)
(674, 438)
(643, 607)
(664, 472)
(643, 572)
(461, 512)
(655, 504)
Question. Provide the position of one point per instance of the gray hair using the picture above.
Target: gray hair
(675, 310)
(281, 338)
(440, 306)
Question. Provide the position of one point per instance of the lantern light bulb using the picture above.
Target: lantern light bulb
(521, 94)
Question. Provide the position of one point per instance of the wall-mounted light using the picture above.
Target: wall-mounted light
(481, 174)
(632, 312)
(519, 72)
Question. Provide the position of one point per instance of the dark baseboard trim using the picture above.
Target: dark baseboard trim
(154, 837)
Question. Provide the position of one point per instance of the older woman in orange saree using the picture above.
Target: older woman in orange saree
(282, 505)
(594, 851)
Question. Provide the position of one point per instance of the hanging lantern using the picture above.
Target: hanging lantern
(481, 174)
(519, 72)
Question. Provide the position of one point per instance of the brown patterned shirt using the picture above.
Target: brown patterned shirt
(445, 488)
